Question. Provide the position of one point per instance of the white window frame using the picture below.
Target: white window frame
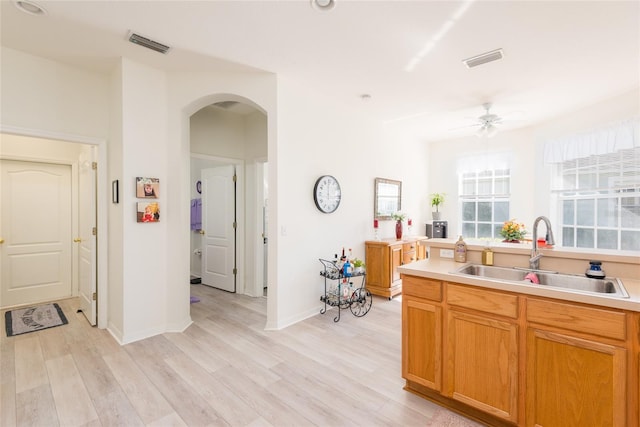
(477, 196)
(613, 177)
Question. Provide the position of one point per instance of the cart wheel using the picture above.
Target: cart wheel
(361, 302)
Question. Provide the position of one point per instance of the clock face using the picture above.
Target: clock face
(326, 194)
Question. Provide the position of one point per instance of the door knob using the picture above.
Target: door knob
(77, 240)
(1, 241)
(201, 231)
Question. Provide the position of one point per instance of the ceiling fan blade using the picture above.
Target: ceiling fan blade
(466, 126)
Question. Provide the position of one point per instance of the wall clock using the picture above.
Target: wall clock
(327, 194)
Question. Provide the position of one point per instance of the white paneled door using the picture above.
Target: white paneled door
(35, 227)
(86, 239)
(218, 230)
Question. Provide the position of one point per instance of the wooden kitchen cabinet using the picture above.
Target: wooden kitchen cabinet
(513, 359)
(576, 371)
(383, 258)
(422, 332)
(482, 352)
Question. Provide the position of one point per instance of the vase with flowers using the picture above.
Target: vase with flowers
(398, 217)
(513, 231)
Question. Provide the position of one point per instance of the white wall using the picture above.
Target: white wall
(146, 253)
(316, 137)
(530, 177)
(40, 94)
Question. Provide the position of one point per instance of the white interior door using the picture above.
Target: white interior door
(218, 230)
(35, 224)
(86, 239)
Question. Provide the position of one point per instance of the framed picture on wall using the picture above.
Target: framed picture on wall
(147, 188)
(148, 212)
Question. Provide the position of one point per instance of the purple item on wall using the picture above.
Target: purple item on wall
(196, 214)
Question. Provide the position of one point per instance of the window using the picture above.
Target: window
(599, 200)
(484, 197)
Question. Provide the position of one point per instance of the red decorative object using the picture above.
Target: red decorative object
(409, 222)
(375, 223)
(398, 230)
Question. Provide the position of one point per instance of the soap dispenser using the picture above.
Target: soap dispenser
(460, 251)
(487, 256)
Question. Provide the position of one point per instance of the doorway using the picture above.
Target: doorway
(230, 134)
(47, 222)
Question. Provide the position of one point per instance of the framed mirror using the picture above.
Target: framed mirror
(387, 198)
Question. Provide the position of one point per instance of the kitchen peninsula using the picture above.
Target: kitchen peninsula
(516, 353)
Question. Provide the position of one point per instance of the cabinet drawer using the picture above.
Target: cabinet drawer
(409, 247)
(596, 321)
(483, 300)
(422, 288)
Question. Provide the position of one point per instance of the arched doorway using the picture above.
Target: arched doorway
(230, 134)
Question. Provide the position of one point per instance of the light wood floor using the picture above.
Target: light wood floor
(223, 370)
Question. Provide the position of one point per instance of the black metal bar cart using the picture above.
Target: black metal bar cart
(344, 294)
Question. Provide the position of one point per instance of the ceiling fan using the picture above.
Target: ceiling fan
(488, 122)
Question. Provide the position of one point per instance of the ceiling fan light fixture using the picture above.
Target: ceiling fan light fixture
(483, 58)
(323, 5)
(487, 131)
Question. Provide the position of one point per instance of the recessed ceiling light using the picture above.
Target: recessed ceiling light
(324, 5)
(30, 7)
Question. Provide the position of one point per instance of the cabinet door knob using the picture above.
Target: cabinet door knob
(77, 240)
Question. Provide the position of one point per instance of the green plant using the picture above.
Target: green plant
(512, 230)
(358, 263)
(437, 199)
(398, 216)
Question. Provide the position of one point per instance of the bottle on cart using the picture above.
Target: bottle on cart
(347, 269)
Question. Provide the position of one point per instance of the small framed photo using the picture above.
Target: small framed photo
(147, 188)
(148, 212)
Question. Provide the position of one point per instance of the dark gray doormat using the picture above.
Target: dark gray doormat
(31, 319)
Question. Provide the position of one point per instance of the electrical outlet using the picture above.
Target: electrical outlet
(446, 253)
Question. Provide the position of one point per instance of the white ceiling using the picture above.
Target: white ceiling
(559, 55)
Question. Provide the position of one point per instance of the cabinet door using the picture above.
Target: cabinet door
(377, 262)
(482, 363)
(421, 342)
(574, 382)
(395, 252)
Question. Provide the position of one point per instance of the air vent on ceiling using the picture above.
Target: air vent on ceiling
(148, 43)
(483, 58)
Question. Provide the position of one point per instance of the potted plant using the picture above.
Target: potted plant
(513, 231)
(398, 217)
(436, 200)
(358, 266)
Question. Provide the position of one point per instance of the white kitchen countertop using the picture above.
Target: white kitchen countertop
(442, 268)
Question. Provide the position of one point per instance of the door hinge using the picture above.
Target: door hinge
(235, 177)
(235, 271)
(94, 165)
(235, 225)
(94, 296)
(94, 231)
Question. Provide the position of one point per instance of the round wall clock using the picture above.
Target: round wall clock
(327, 194)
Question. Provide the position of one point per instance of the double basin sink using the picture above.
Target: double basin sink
(608, 286)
